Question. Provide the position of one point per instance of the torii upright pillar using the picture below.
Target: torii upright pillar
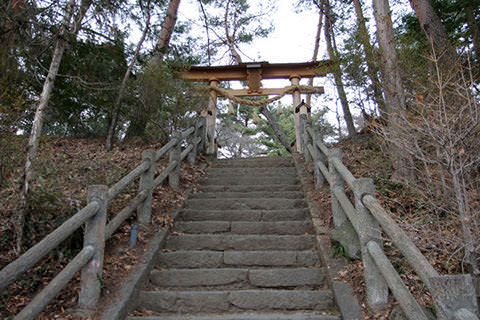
(211, 117)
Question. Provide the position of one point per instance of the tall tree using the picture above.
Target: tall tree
(139, 120)
(372, 67)
(392, 81)
(123, 85)
(315, 50)
(436, 34)
(337, 71)
(166, 32)
(67, 25)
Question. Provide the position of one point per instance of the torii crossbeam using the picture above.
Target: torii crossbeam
(253, 73)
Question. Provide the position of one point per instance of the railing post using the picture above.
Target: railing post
(175, 154)
(91, 277)
(144, 211)
(306, 138)
(377, 289)
(193, 154)
(339, 216)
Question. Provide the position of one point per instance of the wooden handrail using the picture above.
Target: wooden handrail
(358, 217)
(88, 214)
(27, 260)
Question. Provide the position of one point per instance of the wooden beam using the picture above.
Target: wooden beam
(268, 71)
(268, 92)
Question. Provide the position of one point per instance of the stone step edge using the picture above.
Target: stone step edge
(245, 316)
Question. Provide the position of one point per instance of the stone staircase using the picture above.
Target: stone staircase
(243, 249)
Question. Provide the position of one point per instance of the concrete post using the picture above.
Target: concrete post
(306, 138)
(203, 135)
(339, 216)
(377, 288)
(175, 154)
(452, 293)
(144, 211)
(211, 117)
(193, 140)
(295, 80)
(91, 276)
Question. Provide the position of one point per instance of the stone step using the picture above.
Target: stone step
(239, 242)
(239, 278)
(182, 302)
(284, 315)
(216, 259)
(252, 194)
(253, 164)
(261, 158)
(292, 180)
(245, 204)
(261, 171)
(249, 188)
(244, 227)
(243, 215)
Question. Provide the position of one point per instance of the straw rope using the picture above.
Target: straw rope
(258, 103)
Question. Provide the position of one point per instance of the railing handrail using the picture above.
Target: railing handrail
(23, 263)
(338, 174)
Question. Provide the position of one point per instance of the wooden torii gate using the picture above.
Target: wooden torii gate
(253, 73)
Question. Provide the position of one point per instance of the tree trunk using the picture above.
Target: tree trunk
(166, 32)
(473, 30)
(315, 52)
(139, 122)
(372, 68)
(231, 39)
(436, 34)
(121, 91)
(337, 72)
(37, 124)
(392, 83)
(276, 129)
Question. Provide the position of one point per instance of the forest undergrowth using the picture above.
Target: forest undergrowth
(65, 168)
(437, 235)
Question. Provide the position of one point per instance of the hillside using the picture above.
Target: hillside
(65, 168)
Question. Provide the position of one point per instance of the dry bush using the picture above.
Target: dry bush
(440, 133)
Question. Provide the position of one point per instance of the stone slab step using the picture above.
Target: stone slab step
(246, 163)
(246, 316)
(252, 194)
(182, 302)
(245, 204)
(250, 180)
(216, 259)
(261, 158)
(244, 227)
(241, 278)
(243, 215)
(261, 171)
(249, 188)
(240, 242)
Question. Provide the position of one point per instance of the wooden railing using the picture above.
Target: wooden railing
(453, 295)
(97, 230)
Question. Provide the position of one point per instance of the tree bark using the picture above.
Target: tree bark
(337, 72)
(166, 32)
(121, 91)
(392, 84)
(436, 34)
(315, 52)
(32, 147)
(231, 38)
(276, 129)
(372, 68)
